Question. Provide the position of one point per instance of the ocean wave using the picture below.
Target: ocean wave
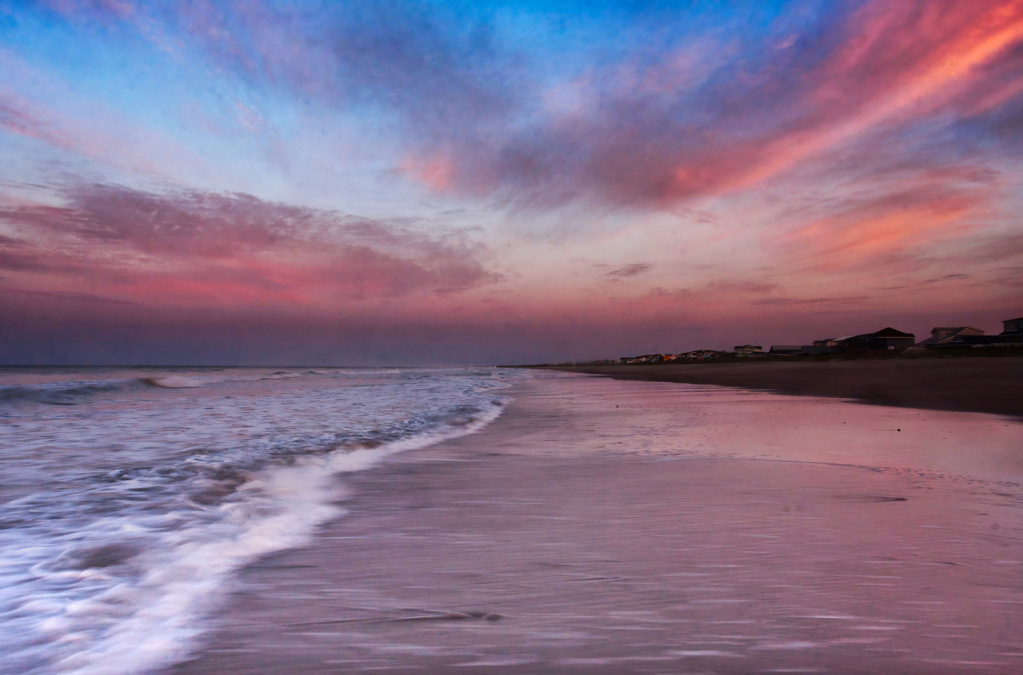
(118, 577)
(60, 393)
(176, 382)
(75, 393)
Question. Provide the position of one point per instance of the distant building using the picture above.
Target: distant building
(886, 338)
(1012, 336)
(1012, 326)
(748, 350)
(646, 358)
(699, 355)
(968, 341)
(959, 330)
(943, 334)
(832, 343)
(786, 350)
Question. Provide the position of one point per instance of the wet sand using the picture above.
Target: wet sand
(585, 531)
(991, 385)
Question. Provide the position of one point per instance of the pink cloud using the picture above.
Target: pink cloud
(194, 246)
(640, 141)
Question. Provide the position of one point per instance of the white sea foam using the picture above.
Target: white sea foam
(112, 571)
(176, 382)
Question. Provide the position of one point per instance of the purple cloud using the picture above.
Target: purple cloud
(62, 295)
(650, 122)
(236, 239)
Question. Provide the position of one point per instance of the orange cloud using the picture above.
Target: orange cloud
(870, 231)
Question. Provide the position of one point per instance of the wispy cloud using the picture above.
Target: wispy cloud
(66, 295)
(215, 241)
(837, 301)
(628, 270)
(660, 123)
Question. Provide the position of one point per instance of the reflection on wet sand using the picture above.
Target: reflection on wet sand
(608, 527)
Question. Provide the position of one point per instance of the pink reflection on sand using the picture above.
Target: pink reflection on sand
(688, 419)
(651, 528)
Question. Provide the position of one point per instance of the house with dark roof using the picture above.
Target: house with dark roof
(1010, 337)
(1000, 340)
(700, 355)
(886, 338)
(748, 350)
(1012, 326)
(946, 334)
(832, 343)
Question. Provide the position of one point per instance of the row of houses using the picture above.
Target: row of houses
(886, 339)
(966, 336)
(942, 337)
(695, 355)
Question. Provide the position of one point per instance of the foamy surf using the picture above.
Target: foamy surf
(61, 393)
(75, 393)
(175, 382)
(115, 571)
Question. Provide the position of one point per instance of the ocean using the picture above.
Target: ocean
(130, 497)
(483, 520)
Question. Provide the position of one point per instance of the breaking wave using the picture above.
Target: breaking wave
(175, 382)
(111, 570)
(60, 393)
(75, 393)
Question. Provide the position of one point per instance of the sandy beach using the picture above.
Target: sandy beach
(572, 536)
(990, 385)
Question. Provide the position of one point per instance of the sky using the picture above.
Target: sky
(243, 182)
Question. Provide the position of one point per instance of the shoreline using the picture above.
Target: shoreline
(985, 385)
(535, 547)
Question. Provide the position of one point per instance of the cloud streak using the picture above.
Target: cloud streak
(214, 243)
(702, 116)
(628, 270)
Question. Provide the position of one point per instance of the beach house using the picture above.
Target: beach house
(887, 339)
(747, 350)
(946, 334)
(954, 338)
(700, 355)
(832, 343)
(1012, 326)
